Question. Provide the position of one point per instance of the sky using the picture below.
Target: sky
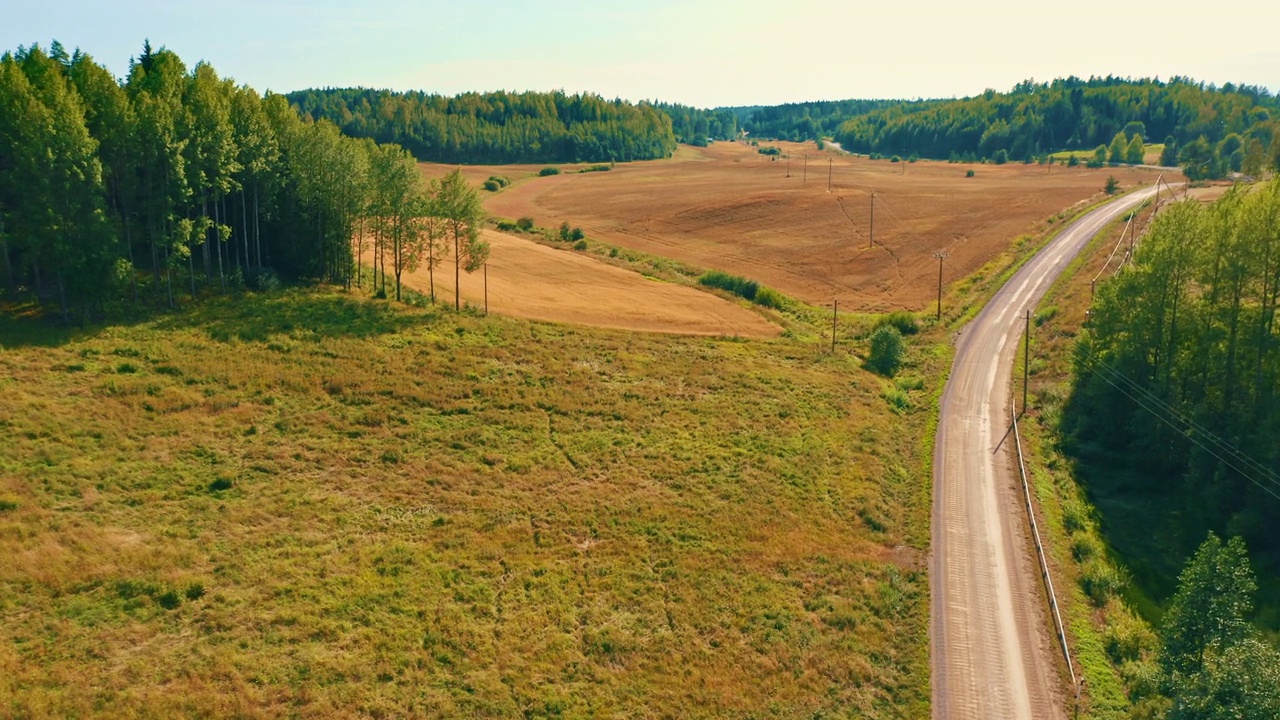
(706, 53)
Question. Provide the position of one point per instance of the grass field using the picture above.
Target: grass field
(726, 207)
(313, 505)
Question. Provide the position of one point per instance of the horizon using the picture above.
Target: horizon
(707, 56)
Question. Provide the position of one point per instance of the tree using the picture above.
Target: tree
(1133, 154)
(1112, 185)
(1169, 155)
(459, 205)
(1099, 157)
(1119, 144)
(1198, 159)
(887, 350)
(1212, 662)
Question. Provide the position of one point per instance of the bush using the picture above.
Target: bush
(195, 591)
(1112, 185)
(501, 181)
(969, 173)
(914, 157)
(262, 280)
(492, 185)
(770, 150)
(525, 223)
(1073, 161)
(739, 286)
(506, 226)
(595, 168)
(220, 484)
(904, 321)
(544, 172)
(1101, 581)
(895, 158)
(768, 297)
(1001, 157)
(564, 231)
(169, 600)
(580, 245)
(887, 351)
(576, 234)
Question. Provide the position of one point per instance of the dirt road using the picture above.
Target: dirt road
(992, 654)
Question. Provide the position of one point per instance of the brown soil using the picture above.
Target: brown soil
(729, 208)
(537, 282)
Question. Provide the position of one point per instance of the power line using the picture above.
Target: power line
(1145, 399)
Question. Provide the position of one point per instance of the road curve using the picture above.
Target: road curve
(992, 655)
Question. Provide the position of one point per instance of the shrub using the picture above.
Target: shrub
(546, 171)
(194, 591)
(564, 231)
(969, 173)
(506, 226)
(904, 321)
(501, 181)
(768, 297)
(1101, 581)
(1073, 161)
(169, 600)
(580, 245)
(126, 368)
(525, 223)
(739, 286)
(220, 484)
(887, 350)
(1001, 157)
(770, 150)
(1112, 185)
(895, 158)
(576, 234)
(914, 157)
(595, 168)
(492, 185)
(8, 504)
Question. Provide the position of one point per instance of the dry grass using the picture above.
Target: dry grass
(729, 208)
(311, 505)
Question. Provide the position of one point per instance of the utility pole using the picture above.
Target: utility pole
(871, 232)
(486, 287)
(1026, 361)
(805, 178)
(788, 164)
(828, 174)
(941, 255)
(835, 308)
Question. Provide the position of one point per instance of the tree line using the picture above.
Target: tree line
(496, 127)
(176, 181)
(695, 126)
(1175, 405)
(1207, 129)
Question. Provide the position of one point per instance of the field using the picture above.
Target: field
(308, 504)
(727, 207)
(530, 280)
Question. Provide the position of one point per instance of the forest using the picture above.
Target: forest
(177, 181)
(1211, 131)
(798, 122)
(496, 127)
(1174, 416)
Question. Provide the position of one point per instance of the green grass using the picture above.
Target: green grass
(309, 504)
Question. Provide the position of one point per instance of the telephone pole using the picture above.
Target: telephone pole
(805, 178)
(941, 255)
(871, 232)
(828, 174)
(835, 308)
(486, 287)
(788, 164)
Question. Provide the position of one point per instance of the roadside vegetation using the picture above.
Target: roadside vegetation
(1111, 541)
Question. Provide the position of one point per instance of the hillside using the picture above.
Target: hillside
(315, 505)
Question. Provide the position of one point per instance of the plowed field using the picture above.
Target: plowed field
(730, 208)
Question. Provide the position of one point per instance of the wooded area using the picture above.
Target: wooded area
(1176, 406)
(179, 181)
(497, 127)
(1209, 130)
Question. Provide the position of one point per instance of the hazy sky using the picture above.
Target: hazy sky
(699, 52)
